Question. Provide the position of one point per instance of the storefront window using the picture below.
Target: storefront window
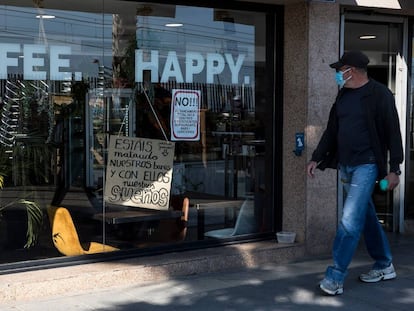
(128, 125)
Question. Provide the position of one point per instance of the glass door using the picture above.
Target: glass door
(409, 190)
(382, 41)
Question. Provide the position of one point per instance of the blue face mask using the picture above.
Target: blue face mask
(339, 77)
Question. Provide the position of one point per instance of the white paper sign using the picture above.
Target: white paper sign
(185, 115)
(139, 172)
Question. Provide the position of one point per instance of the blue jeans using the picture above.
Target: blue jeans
(359, 216)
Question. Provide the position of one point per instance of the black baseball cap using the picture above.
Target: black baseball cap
(352, 58)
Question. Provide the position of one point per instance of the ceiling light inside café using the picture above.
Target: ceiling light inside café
(174, 25)
(367, 37)
(45, 16)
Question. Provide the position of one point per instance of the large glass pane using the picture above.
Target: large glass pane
(49, 61)
(219, 151)
(114, 114)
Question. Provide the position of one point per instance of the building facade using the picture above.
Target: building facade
(130, 128)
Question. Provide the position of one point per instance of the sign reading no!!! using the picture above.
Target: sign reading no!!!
(185, 115)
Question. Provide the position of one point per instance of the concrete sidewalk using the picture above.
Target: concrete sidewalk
(290, 286)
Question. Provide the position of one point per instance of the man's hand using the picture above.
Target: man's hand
(393, 180)
(310, 169)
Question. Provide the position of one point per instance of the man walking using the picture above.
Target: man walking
(363, 131)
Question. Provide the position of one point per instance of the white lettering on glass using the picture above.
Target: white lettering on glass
(32, 60)
(142, 65)
(172, 68)
(194, 64)
(214, 65)
(5, 61)
(56, 63)
(42, 62)
(234, 67)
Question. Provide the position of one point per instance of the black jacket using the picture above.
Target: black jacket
(383, 125)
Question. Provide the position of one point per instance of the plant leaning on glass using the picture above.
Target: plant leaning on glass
(34, 216)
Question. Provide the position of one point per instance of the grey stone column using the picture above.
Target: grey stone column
(311, 44)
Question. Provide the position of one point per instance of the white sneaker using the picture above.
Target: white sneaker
(331, 287)
(379, 275)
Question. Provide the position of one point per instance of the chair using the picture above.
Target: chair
(65, 237)
(172, 230)
(245, 223)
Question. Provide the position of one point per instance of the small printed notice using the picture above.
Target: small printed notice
(139, 172)
(185, 115)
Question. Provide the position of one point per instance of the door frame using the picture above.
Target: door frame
(401, 101)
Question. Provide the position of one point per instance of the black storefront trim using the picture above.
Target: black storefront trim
(66, 261)
(228, 4)
(274, 30)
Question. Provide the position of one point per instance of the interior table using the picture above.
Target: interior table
(136, 215)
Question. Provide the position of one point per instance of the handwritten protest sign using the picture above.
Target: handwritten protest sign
(185, 115)
(139, 172)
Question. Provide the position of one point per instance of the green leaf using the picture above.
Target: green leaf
(34, 221)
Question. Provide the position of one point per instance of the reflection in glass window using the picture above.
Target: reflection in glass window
(92, 100)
